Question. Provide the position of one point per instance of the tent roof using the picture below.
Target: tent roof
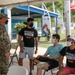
(13, 3)
(19, 10)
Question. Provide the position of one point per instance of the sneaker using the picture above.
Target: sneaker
(30, 73)
(43, 65)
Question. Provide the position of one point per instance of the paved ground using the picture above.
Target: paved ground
(41, 51)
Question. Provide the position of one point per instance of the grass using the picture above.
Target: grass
(45, 44)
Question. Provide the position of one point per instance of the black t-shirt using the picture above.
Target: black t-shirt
(70, 55)
(28, 36)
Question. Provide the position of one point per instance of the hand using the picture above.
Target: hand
(33, 58)
(49, 57)
(21, 49)
(38, 56)
(7, 55)
(35, 51)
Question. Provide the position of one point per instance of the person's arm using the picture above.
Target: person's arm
(4, 46)
(60, 61)
(36, 40)
(47, 52)
(20, 44)
(45, 55)
(62, 54)
(19, 40)
(56, 57)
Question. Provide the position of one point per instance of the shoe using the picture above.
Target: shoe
(43, 65)
(30, 73)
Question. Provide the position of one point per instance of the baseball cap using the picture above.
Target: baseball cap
(71, 37)
(3, 16)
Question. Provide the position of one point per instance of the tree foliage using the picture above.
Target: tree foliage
(59, 5)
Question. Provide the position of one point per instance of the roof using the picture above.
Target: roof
(36, 10)
(12, 3)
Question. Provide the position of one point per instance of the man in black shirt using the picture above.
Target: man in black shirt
(29, 34)
(69, 52)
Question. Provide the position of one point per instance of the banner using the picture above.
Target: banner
(46, 25)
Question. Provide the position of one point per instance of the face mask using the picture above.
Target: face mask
(31, 25)
(53, 41)
(6, 22)
(69, 43)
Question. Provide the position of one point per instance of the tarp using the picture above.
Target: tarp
(38, 10)
(13, 3)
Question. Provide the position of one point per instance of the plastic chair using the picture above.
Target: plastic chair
(17, 70)
(14, 54)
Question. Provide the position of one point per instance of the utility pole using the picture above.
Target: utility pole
(67, 14)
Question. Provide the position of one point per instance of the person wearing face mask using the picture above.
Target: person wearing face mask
(69, 52)
(50, 59)
(5, 45)
(29, 35)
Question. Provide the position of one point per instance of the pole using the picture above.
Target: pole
(54, 17)
(67, 15)
(9, 23)
(28, 10)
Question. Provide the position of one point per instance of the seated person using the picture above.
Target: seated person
(69, 52)
(51, 61)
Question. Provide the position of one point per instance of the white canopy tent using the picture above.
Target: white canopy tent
(12, 3)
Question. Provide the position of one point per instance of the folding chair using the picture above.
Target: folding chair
(52, 71)
(17, 70)
(14, 55)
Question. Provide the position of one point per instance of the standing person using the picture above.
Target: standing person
(69, 52)
(4, 45)
(46, 31)
(49, 62)
(29, 34)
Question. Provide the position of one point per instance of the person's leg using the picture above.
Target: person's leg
(61, 72)
(35, 60)
(31, 65)
(30, 51)
(21, 56)
(20, 61)
(64, 71)
(42, 65)
(4, 66)
(39, 71)
(73, 71)
(42, 62)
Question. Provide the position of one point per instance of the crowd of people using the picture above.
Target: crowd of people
(52, 58)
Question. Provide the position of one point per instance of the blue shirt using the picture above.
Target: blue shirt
(53, 51)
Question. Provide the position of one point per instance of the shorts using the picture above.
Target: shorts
(69, 70)
(27, 50)
(53, 63)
